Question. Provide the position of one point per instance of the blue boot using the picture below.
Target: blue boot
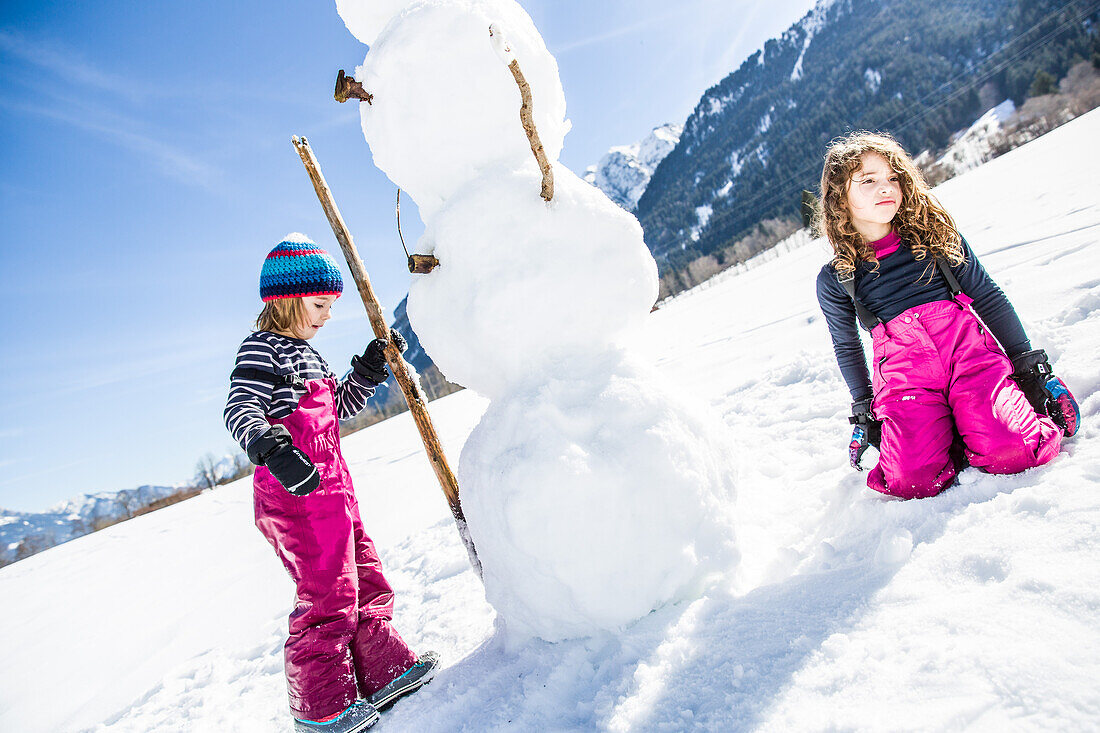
(414, 678)
(358, 716)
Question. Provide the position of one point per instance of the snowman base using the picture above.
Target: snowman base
(594, 500)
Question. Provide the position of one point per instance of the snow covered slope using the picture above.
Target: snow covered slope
(975, 609)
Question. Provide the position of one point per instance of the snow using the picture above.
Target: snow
(578, 462)
(366, 20)
(598, 474)
(873, 79)
(974, 146)
(736, 163)
(811, 23)
(765, 122)
(796, 72)
(762, 154)
(431, 128)
(624, 172)
(702, 216)
(486, 313)
(974, 610)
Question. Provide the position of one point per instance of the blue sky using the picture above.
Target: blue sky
(148, 170)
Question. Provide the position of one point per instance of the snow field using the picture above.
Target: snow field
(976, 609)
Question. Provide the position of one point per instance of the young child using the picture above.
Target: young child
(343, 659)
(944, 393)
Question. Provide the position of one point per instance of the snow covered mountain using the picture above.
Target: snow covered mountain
(23, 534)
(624, 172)
(973, 610)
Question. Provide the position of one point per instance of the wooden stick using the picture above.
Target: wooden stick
(504, 51)
(348, 88)
(412, 393)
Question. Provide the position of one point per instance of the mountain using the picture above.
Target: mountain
(918, 69)
(624, 172)
(25, 533)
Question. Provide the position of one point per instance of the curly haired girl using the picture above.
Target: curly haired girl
(955, 379)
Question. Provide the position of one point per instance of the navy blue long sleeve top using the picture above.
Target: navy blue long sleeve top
(900, 283)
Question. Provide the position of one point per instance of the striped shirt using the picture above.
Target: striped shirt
(252, 402)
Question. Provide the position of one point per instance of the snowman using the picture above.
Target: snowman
(592, 493)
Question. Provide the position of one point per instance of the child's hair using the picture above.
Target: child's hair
(281, 314)
(920, 220)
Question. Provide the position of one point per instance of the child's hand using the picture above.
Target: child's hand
(867, 432)
(289, 465)
(1031, 370)
(1047, 393)
(293, 469)
(372, 364)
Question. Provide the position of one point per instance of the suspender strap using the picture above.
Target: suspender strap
(869, 319)
(260, 375)
(952, 281)
(866, 317)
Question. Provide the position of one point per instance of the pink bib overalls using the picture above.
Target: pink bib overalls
(940, 381)
(342, 645)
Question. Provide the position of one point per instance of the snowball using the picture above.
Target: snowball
(524, 285)
(366, 18)
(594, 499)
(446, 108)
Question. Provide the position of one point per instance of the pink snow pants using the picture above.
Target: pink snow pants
(341, 642)
(940, 375)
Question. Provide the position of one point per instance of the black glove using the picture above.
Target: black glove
(1047, 393)
(867, 432)
(372, 364)
(1031, 370)
(289, 465)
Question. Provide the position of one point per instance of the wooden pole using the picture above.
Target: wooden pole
(412, 393)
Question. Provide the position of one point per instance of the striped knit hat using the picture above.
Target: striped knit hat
(297, 268)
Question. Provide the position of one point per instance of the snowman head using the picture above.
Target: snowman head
(446, 108)
(366, 18)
